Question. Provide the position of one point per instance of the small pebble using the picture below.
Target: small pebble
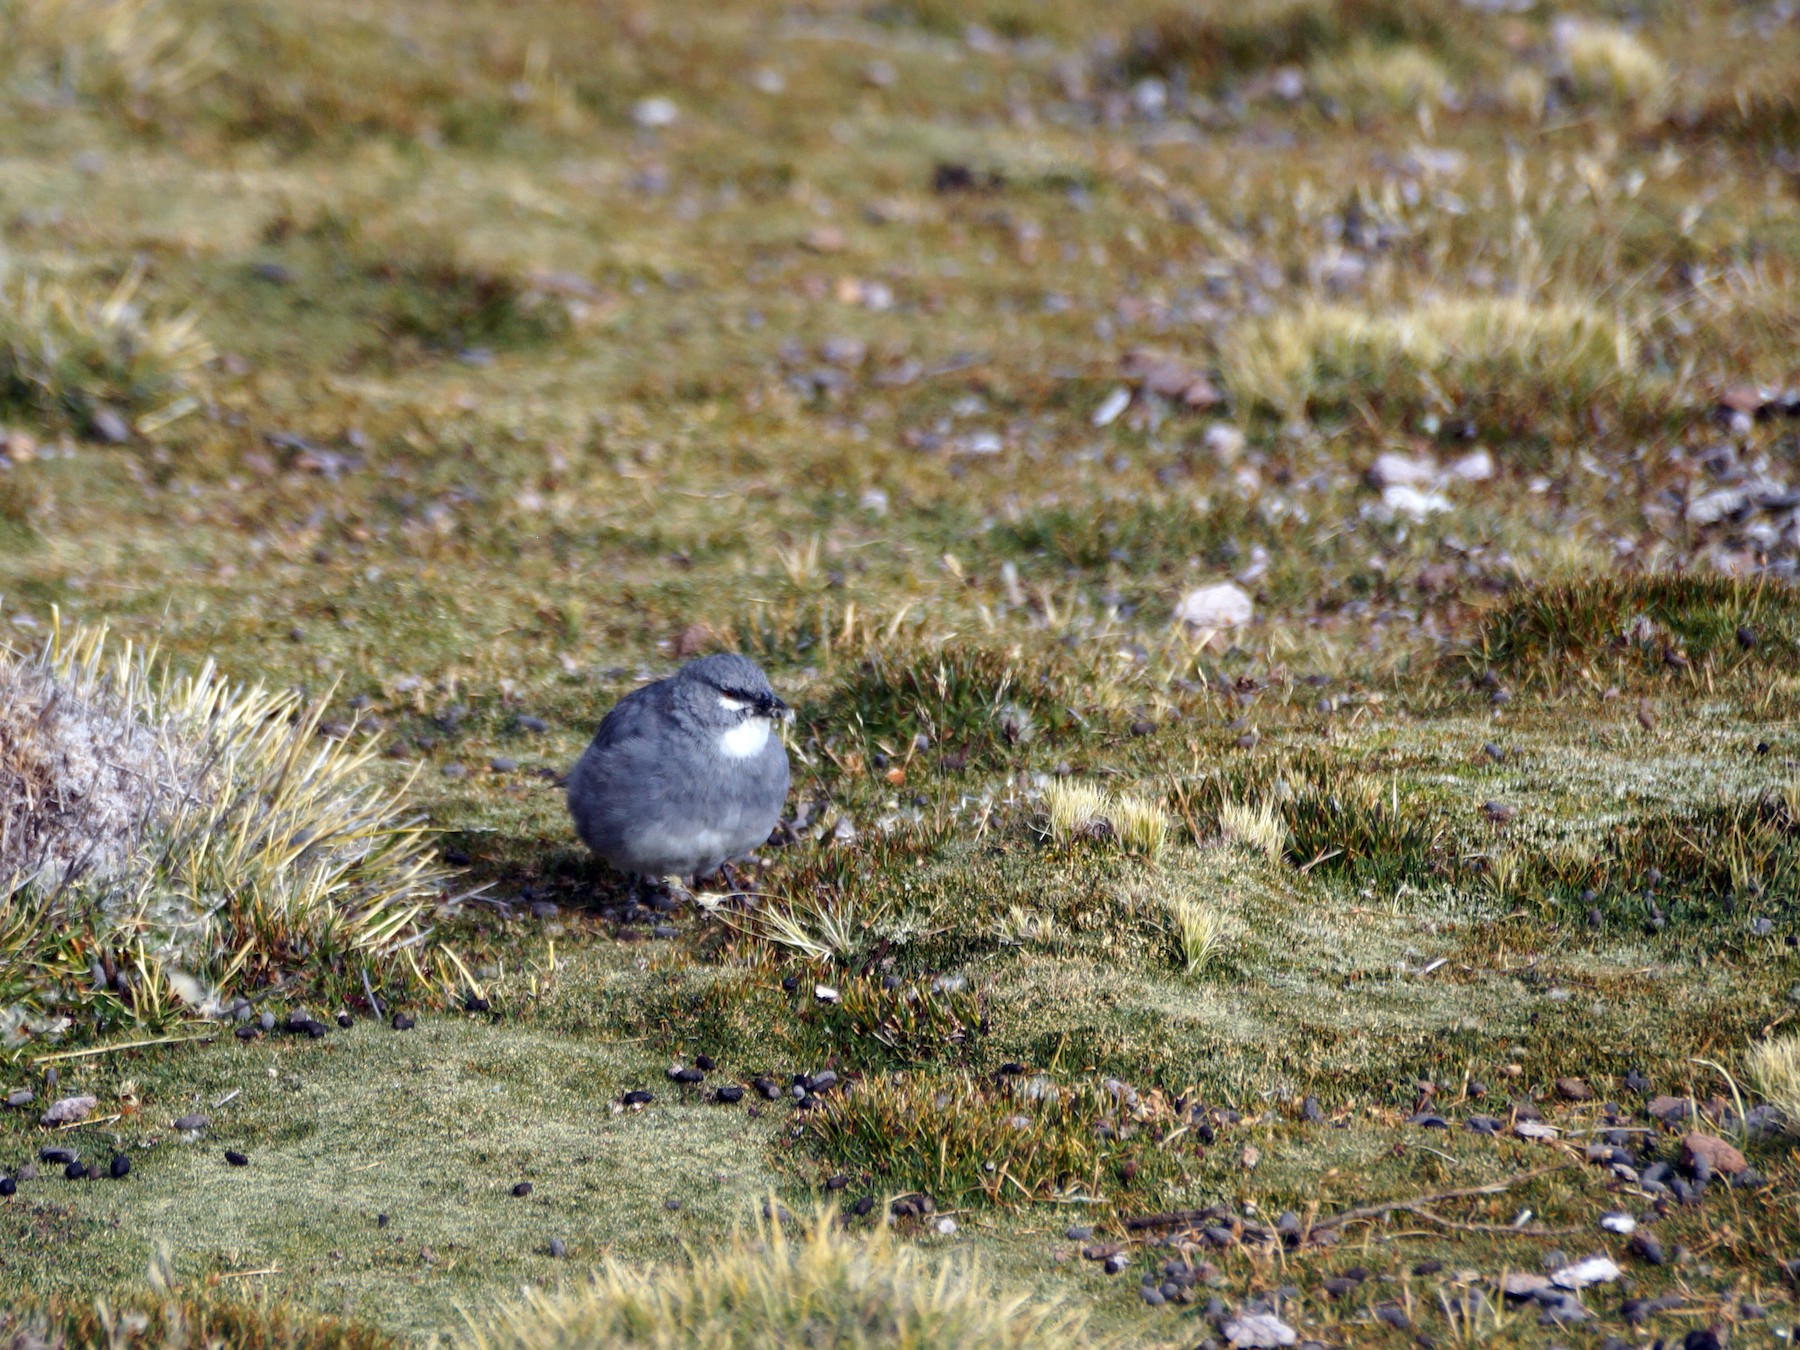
(50, 1153)
(1152, 1295)
(637, 1097)
(345, 1021)
(558, 1248)
(193, 1122)
(8, 1185)
(522, 1190)
(837, 1183)
(75, 1171)
(20, 1097)
(235, 1158)
(403, 1022)
(671, 1203)
(267, 1021)
(863, 1206)
(731, 1092)
(383, 1220)
(704, 1062)
(1079, 1233)
(121, 1166)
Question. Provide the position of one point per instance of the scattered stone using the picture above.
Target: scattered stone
(236, 1159)
(679, 1074)
(1666, 1108)
(636, 1097)
(1592, 1270)
(8, 1186)
(1150, 1294)
(1215, 608)
(1392, 469)
(1522, 1284)
(863, 1206)
(1574, 1090)
(20, 1098)
(1079, 1232)
(1475, 467)
(194, 1122)
(731, 1092)
(403, 1022)
(522, 1190)
(1100, 1251)
(121, 1166)
(1259, 1331)
(69, 1110)
(1714, 1153)
(1534, 1129)
(76, 1171)
(107, 424)
(1618, 1222)
(56, 1156)
(558, 1248)
(1646, 1247)
(652, 113)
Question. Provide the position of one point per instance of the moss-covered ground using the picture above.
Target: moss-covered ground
(508, 387)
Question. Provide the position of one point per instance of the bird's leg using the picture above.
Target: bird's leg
(731, 879)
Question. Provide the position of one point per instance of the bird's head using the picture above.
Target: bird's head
(728, 690)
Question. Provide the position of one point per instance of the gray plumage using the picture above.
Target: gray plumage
(684, 774)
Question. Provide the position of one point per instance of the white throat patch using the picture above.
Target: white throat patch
(747, 738)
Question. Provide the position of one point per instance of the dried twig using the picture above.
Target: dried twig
(1418, 1203)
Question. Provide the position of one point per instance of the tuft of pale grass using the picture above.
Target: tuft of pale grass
(823, 927)
(1774, 1067)
(1608, 64)
(1259, 828)
(165, 839)
(1198, 930)
(1369, 79)
(1140, 824)
(820, 1288)
(1076, 810)
(1284, 359)
(66, 355)
(121, 52)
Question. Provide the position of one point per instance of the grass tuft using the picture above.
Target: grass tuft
(821, 1287)
(1199, 932)
(1608, 64)
(1289, 360)
(1140, 825)
(1259, 828)
(1774, 1067)
(127, 55)
(167, 840)
(1369, 80)
(184, 1322)
(1648, 625)
(70, 357)
(1075, 810)
(1083, 811)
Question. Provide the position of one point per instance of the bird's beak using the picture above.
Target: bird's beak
(775, 710)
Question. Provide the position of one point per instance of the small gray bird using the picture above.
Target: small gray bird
(685, 774)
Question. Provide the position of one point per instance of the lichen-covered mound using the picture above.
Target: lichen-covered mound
(165, 840)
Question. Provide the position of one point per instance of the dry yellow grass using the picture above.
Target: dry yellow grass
(1283, 360)
(822, 1288)
(1774, 1067)
(1075, 809)
(1258, 828)
(1368, 79)
(1610, 64)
